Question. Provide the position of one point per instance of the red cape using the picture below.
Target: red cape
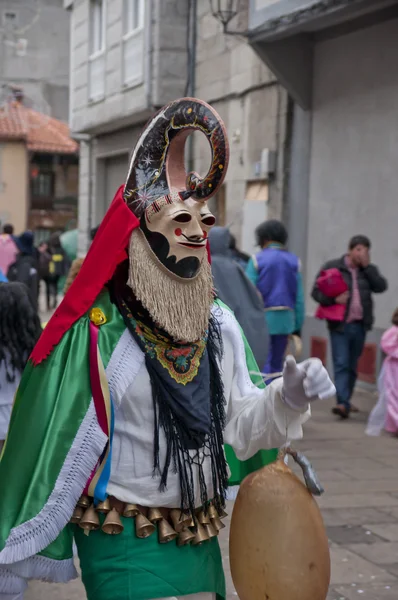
(108, 249)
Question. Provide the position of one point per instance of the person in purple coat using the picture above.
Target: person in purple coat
(276, 274)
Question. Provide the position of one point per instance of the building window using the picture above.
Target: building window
(97, 49)
(43, 185)
(133, 42)
(97, 41)
(133, 15)
(257, 191)
(9, 19)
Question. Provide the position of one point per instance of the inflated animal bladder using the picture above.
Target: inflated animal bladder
(278, 544)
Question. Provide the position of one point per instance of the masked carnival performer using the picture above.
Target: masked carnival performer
(117, 431)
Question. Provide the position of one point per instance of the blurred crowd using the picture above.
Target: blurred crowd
(21, 261)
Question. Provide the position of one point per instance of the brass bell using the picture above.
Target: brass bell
(130, 510)
(210, 530)
(222, 514)
(180, 520)
(77, 515)
(185, 538)
(143, 527)
(104, 507)
(165, 532)
(84, 501)
(112, 524)
(203, 518)
(192, 523)
(90, 520)
(201, 535)
(217, 524)
(154, 515)
(212, 512)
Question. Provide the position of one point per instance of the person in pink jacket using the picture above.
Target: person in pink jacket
(8, 248)
(385, 413)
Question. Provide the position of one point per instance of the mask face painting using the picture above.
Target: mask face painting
(178, 234)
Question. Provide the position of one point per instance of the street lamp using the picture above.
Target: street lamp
(224, 11)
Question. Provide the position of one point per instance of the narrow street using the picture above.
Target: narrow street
(360, 509)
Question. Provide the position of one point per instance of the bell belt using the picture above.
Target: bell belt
(171, 523)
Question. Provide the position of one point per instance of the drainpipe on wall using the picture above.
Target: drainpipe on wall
(191, 86)
(71, 64)
(86, 139)
(149, 55)
(90, 189)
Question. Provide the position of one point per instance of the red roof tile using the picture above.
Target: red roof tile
(41, 132)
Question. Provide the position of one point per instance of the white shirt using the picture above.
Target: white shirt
(256, 419)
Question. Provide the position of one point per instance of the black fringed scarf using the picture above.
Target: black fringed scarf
(191, 414)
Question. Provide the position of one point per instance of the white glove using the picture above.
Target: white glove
(305, 382)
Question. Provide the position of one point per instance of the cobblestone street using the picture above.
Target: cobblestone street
(360, 509)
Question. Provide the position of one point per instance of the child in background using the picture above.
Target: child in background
(385, 413)
(19, 331)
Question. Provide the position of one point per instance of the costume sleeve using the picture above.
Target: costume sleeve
(300, 306)
(257, 419)
(261, 421)
(251, 271)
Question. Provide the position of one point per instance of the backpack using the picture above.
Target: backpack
(57, 265)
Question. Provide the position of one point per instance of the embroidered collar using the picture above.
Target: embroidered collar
(181, 360)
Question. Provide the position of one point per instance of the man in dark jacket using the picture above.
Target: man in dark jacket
(348, 337)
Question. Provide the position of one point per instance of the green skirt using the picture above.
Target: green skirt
(124, 567)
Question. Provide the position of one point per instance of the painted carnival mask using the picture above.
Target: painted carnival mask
(178, 234)
(171, 204)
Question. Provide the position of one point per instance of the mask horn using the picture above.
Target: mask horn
(157, 165)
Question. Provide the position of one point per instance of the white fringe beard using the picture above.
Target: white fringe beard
(179, 306)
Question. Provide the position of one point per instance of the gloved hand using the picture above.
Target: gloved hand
(305, 382)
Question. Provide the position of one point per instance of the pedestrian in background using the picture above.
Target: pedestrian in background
(19, 331)
(237, 255)
(276, 274)
(236, 291)
(58, 267)
(385, 414)
(8, 248)
(25, 267)
(44, 259)
(348, 336)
